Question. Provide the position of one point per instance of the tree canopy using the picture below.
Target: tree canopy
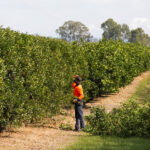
(139, 36)
(115, 31)
(77, 31)
(74, 31)
(112, 30)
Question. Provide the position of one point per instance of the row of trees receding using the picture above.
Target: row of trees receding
(36, 73)
(75, 31)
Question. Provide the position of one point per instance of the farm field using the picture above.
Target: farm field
(36, 95)
(46, 138)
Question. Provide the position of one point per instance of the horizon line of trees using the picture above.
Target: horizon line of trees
(75, 31)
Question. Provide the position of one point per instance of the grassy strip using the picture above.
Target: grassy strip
(109, 143)
(142, 94)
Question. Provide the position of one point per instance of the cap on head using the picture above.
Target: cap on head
(78, 79)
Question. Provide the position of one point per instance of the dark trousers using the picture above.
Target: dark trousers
(79, 117)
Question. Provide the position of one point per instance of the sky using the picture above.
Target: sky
(43, 17)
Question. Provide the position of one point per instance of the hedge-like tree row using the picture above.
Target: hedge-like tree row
(36, 72)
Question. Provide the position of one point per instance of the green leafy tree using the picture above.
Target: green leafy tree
(74, 31)
(112, 30)
(139, 36)
(125, 33)
(36, 73)
(115, 31)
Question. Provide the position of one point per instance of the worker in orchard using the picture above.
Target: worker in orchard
(78, 101)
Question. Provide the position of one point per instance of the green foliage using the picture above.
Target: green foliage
(74, 31)
(98, 121)
(115, 31)
(36, 73)
(114, 64)
(112, 30)
(139, 36)
(130, 120)
(65, 126)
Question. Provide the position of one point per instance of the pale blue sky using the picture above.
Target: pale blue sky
(43, 17)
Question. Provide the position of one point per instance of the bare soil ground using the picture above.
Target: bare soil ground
(48, 136)
(30, 138)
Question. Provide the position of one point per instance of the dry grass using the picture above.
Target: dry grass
(30, 138)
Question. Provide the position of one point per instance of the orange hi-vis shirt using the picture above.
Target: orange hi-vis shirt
(78, 91)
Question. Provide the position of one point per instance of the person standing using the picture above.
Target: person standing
(78, 101)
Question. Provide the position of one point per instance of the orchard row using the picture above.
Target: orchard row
(36, 72)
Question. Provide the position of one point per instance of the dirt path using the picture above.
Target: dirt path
(37, 139)
(46, 138)
(114, 100)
